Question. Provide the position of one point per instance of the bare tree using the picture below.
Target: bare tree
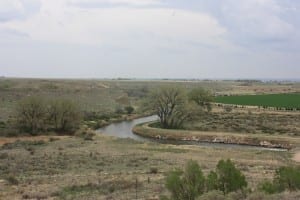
(64, 115)
(30, 114)
(170, 104)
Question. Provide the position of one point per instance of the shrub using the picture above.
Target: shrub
(129, 109)
(153, 170)
(229, 177)
(188, 184)
(12, 180)
(267, 187)
(287, 178)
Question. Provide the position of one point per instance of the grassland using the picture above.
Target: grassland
(289, 100)
(107, 168)
(104, 96)
(68, 167)
(249, 122)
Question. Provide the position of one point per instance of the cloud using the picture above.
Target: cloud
(119, 26)
(17, 9)
(118, 2)
(257, 22)
(150, 38)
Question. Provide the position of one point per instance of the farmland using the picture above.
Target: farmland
(290, 100)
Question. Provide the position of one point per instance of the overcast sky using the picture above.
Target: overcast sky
(150, 38)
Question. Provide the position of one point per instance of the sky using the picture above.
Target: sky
(214, 39)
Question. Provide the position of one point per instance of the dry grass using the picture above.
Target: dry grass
(107, 168)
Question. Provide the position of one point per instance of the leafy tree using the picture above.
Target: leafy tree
(170, 104)
(31, 114)
(201, 97)
(186, 185)
(229, 177)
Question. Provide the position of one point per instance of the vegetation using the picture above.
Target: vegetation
(129, 109)
(186, 185)
(35, 115)
(286, 178)
(229, 177)
(170, 104)
(31, 115)
(191, 183)
(201, 97)
(174, 107)
(288, 101)
(68, 167)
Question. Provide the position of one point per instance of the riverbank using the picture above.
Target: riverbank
(260, 140)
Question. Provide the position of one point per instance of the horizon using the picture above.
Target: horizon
(159, 79)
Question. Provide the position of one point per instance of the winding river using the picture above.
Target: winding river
(124, 130)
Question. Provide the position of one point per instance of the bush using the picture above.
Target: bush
(188, 184)
(129, 109)
(287, 178)
(267, 187)
(12, 180)
(229, 177)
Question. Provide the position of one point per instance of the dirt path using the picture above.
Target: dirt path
(297, 156)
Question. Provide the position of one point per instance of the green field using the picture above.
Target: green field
(269, 100)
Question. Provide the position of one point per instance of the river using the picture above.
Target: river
(124, 130)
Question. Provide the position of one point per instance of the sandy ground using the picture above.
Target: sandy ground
(297, 156)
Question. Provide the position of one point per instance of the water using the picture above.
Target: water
(124, 130)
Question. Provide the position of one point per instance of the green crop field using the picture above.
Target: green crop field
(270, 100)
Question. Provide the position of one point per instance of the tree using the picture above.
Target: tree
(229, 177)
(186, 185)
(64, 115)
(201, 97)
(170, 104)
(31, 114)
